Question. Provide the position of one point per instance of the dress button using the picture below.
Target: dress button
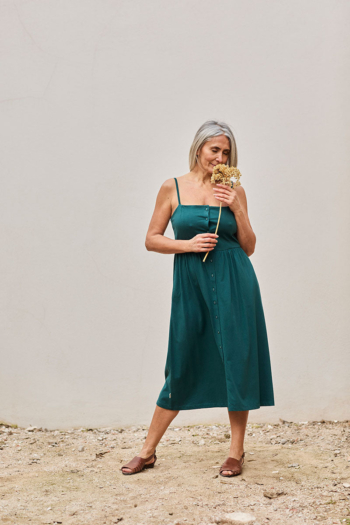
(216, 316)
(211, 260)
(212, 275)
(214, 302)
(218, 331)
(220, 346)
(206, 218)
(213, 289)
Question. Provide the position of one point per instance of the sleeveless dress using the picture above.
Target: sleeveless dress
(218, 352)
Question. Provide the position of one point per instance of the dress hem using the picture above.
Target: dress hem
(216, 405)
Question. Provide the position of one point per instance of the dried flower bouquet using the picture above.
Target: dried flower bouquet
(222, 175)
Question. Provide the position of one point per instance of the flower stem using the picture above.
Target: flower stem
(217, 226)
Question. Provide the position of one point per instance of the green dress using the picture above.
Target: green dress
(218, 352)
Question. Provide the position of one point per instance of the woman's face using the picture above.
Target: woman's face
(214, 151)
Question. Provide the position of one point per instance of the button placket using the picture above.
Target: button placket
(216, 324)
(215, 306)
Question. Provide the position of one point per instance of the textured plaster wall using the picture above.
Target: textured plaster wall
(99, 103)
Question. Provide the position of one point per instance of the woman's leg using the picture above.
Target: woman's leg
(162, 418)
(238, 422)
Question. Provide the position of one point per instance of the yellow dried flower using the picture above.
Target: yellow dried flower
(222, 175)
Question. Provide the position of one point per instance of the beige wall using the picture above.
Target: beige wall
(99, 104)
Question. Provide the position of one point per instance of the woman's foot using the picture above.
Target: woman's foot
(231, 461)
(143, 454)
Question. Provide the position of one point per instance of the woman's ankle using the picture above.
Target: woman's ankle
(236, 452)
(146, 451)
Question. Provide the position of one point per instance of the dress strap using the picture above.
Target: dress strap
(177, 189)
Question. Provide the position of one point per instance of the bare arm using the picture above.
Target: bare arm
(236, 199)
(155, 238)
(245, 235)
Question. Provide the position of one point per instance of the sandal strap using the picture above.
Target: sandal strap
(137, 463)
(232, 463)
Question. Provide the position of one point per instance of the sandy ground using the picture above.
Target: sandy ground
(295, 473)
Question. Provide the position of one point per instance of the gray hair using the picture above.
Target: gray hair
(208, 130)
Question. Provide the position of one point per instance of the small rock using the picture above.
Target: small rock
(101, 454)
(238, 518)
(31, 429)
(346, 485)
(81, 449)
(273, 494)
(270, 495)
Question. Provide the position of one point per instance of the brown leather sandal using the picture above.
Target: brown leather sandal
(232, 464)
(137, 464)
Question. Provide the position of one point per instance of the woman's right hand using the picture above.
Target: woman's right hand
(203, 242)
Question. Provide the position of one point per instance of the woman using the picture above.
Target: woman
(218, 353)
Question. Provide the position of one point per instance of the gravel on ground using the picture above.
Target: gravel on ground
(294, 472)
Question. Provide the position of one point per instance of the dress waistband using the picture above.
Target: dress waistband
(216, 249)
(227, 248)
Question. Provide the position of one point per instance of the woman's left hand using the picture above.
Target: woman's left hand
(228, 196)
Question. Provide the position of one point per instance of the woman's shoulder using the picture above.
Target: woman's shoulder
(167, 190)
(240, 189)
(169, 184)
